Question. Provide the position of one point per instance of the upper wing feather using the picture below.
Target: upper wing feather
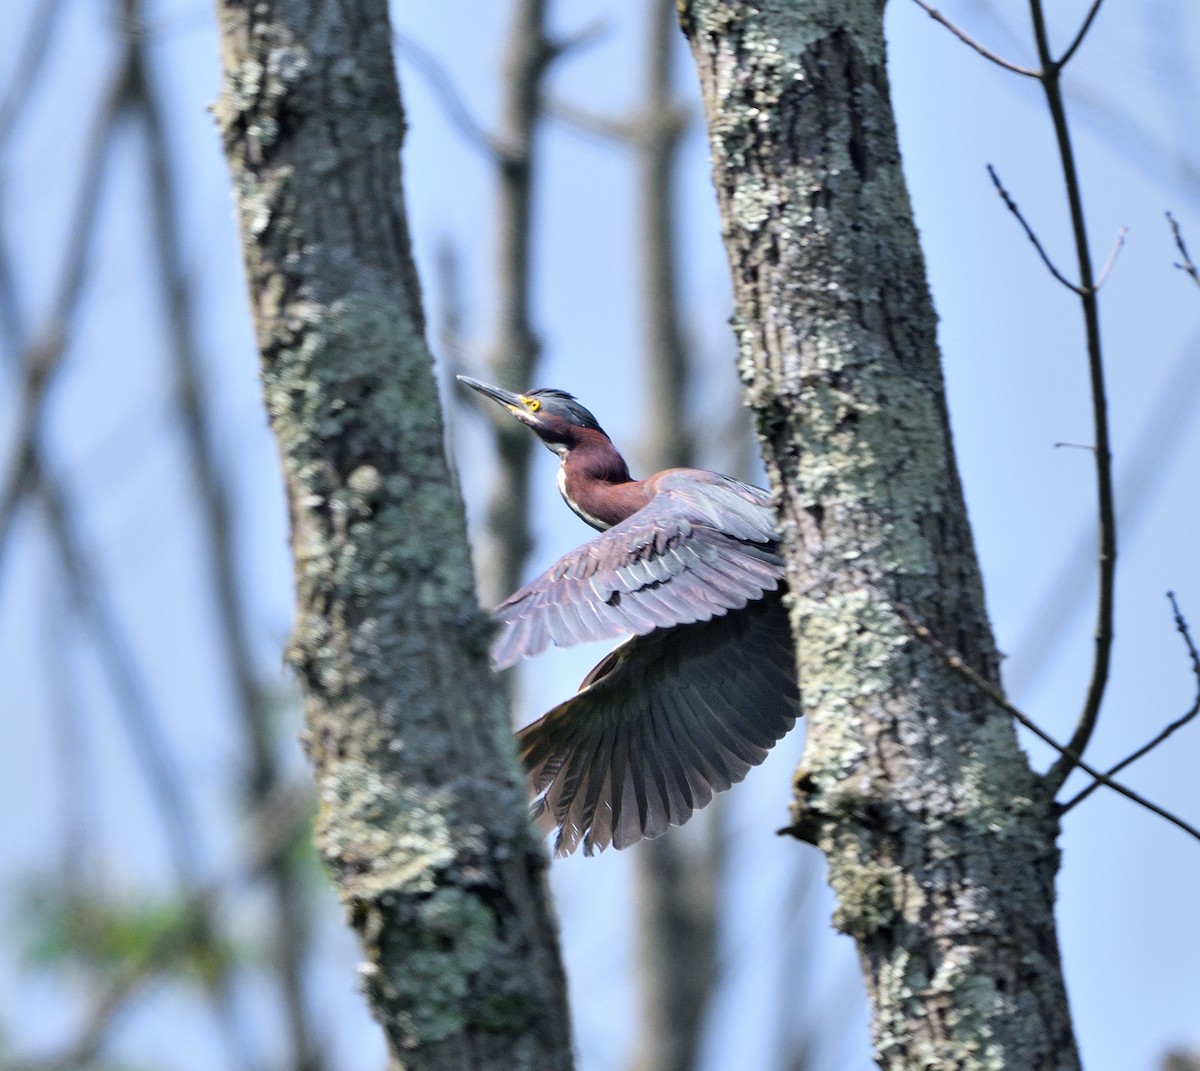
(704, 545)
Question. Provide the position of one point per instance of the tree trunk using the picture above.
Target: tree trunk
(940, 840)
(422, 806)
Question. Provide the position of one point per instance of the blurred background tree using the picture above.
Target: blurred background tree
(161, 906)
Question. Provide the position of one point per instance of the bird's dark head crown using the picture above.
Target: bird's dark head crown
(560, 403)
(554, 415)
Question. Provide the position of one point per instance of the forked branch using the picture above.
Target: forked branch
(955, 662)
(971, 42)
(1186, 264)
(1182, 626)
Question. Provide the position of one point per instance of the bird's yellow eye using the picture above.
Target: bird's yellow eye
(532, 404)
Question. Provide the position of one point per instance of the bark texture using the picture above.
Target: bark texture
(422, 806)
(940, 839)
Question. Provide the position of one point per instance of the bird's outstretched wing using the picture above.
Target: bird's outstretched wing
(661, 724)
(703, 545)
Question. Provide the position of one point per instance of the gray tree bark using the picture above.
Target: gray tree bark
(939, 838)
(422, 806)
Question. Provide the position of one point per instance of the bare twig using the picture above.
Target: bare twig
(956, 663)
(970, 41)
(1182, 627)
(273, 828)
(1110, 263)
(588, 122)
(38, 370)
(1147, 463)
(572, 43)
(1186, 265)
(1086, 25)
(70, 728)
(87, 592)
(1011, 205)
(442, 84)
(43, 356)
(1106, 598)
(29, 65)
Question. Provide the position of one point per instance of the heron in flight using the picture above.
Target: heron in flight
(687, 566)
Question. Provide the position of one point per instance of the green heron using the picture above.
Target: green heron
(688, 563)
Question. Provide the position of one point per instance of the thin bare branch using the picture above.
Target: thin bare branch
(1182, 626)
(1110, 263)
(86, 593)
(1086, 25)
(273, 828)
(1106, 505)
(956, 663)
(41, 358)
(86, 588)
(970, 41)
(572, 43)
(1147, 463)
(38, 370)
(442, 84)
(1011, 205)
(668, 364)
(78, 791)
(588, 122)
(143, 727)
(29, 65)
(1187, 264)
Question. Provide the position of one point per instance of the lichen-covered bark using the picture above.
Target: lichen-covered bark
(940, 840)
(422, 806)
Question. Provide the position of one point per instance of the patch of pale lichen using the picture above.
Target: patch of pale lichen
(379, 838)
(969, 1001)
(962, 1001)
(898, 980)
(849, 643)
(944, 1014)
(358, 417)
(995, 782)
(444, 973)
(876, 443)
(869, 894)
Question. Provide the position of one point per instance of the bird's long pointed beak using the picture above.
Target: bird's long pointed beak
(511, 400)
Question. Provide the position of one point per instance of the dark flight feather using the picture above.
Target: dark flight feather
(662, 723)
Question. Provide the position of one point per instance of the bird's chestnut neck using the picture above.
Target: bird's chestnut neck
(595, 482)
